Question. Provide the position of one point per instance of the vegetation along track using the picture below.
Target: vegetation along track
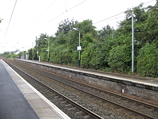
(130, 108)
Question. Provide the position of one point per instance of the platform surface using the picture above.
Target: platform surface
(13, 104)
(19, 100)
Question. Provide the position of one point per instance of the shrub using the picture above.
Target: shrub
(147, 60)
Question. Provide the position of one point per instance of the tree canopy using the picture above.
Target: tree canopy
(107, 49)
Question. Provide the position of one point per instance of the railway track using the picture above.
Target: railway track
(73, 109)
(142, 109)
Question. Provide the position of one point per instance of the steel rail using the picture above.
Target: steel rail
(87, 111)
(115, 94)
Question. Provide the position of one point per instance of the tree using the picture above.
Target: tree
(147, 60)
(65, 26)
(6, 54)
(119, 58)
(88, 43)
(105, 33)
(151, 25)
(139, 18)
(44, 54)
(41, 42)
(106, 49)
(32, 54)
(86, 27)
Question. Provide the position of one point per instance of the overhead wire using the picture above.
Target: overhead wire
(99, 7)
(67, 11)
(149, 2)
(65, 5)
(10, 19)
(117, 14)
(89, 12)
(109, 17)
(113, 18)
(76, 5)
(45, 10)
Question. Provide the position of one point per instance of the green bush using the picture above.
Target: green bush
(119, 58)
(44, 54)
(147, 60)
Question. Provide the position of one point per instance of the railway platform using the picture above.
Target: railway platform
(143, 87)
(19, 100)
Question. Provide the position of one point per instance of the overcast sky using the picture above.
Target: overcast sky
(33, 17)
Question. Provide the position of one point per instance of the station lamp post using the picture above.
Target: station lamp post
(48, 48)
(78, 47)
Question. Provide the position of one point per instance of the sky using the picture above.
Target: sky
(33, 17)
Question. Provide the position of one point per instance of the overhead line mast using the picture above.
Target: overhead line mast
(132, 41)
